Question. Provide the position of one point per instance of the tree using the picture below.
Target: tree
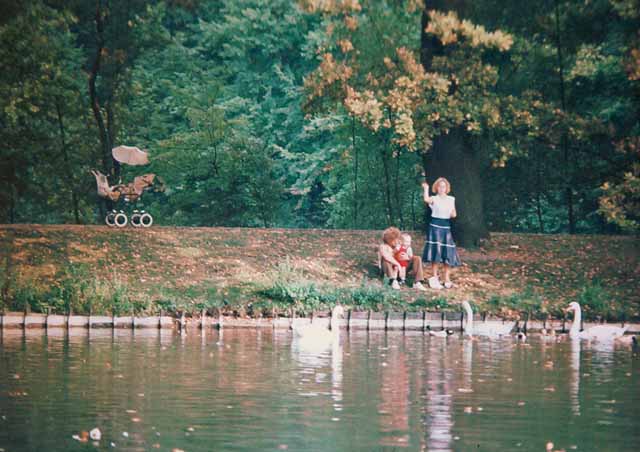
(437, 107)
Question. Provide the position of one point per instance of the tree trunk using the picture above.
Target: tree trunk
(396, 186)
(452, 155)
(387, 184)
(69, 172)
(564, 141)
(355, 172)
(93, 95)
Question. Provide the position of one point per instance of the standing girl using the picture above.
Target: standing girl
(440, 247)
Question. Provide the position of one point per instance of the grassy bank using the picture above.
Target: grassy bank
(104, 271)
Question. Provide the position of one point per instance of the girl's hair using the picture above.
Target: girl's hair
(404, 235)
(390, 235)
(437, 182)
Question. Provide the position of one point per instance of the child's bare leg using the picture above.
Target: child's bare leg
(447, 273)
(389, 270)
(402, 273)
(434, 269)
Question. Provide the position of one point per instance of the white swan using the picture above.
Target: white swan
(491, 328)
(600, 332)
(319, 333)
(630, 339)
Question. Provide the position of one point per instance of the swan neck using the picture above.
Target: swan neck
(468, 324)
(577, 320)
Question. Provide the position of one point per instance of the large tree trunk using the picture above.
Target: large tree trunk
(564, 142)
(93, 95)
(104, 205)
(453, 156)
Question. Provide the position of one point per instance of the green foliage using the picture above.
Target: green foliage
(517, 304)
(76, 291)
(216, 91)
(594, 301)
(435, 304)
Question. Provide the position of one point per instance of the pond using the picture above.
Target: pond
(246, 389)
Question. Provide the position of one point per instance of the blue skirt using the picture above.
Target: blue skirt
(439, 246)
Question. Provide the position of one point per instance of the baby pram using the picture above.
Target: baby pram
(121, 195)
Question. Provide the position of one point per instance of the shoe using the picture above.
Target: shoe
(448, 285)
(395, 285)
(402, 282)
(434, 283)
(418, 286)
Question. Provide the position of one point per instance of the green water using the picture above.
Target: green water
(264, 390)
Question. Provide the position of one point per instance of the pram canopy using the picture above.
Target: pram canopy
(130, 155)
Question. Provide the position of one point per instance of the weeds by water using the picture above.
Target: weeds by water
(288, 289)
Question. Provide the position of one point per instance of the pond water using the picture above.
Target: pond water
(251, 390)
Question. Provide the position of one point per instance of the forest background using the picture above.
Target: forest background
(325, 113)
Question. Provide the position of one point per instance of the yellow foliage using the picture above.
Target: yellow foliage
(449, 29)
(328, 73)
(350, 22)
(345, 45)
(415, 5)
(330, 6)
(365, 107)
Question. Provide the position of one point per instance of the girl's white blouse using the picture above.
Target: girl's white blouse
(442, 206)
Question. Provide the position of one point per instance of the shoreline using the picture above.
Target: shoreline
(355, 320)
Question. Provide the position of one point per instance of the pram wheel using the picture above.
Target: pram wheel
(110, 219)
(146, 220)
(135, 219)
(120, 220)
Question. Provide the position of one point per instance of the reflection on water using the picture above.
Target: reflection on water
(438, 400)
(574, 383)
(266, 390)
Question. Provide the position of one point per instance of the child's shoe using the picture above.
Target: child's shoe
(434, 283)
(418, 286)
(395, 285)
(448, 285)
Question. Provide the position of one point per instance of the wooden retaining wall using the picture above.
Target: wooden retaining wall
(355, 320)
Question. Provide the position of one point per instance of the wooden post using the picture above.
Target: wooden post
(160, 320)
(348, 319)
(442, 320)
(219, 325)
(404, 321)
(424, 321)
(368, 319)
(564, 320)
(386, 320)
(203, 319)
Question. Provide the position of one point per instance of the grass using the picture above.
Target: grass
(265, 271)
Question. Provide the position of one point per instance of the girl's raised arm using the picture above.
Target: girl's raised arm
(427, 198)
